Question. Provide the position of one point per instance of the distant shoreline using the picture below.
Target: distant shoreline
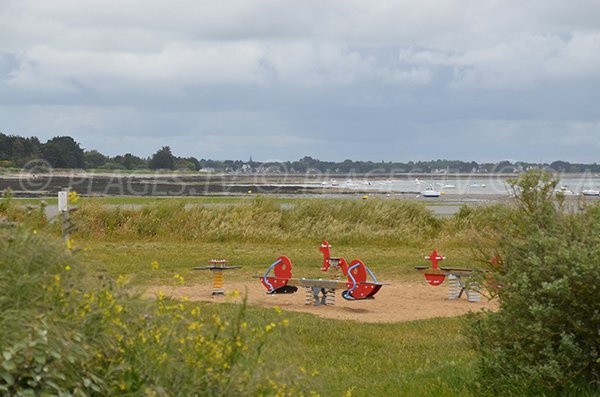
(196, 174)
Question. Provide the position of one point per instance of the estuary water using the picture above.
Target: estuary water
(493, 185)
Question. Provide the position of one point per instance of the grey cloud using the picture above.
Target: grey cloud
(334, 79)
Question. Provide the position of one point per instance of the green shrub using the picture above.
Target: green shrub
(41, 352)
(545, 337)
(63, 334)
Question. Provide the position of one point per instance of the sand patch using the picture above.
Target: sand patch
(397, 302)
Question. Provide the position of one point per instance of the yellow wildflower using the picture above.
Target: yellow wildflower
(179, 278)
(73, 197)
(122, 280)
(270, 327)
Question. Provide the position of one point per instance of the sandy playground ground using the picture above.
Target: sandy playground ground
(396, 302)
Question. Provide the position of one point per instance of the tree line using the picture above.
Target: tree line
(66, 153)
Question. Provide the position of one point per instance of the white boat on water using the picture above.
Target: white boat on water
(431, 192)
(566, 191)
(590, 192)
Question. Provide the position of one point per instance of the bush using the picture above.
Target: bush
(544, 339)
(62, 334)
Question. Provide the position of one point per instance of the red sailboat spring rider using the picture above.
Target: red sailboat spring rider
(319, 291)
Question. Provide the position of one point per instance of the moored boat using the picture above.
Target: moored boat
(431, 192)
(590, 192)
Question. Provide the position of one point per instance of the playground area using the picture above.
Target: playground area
(331, 296)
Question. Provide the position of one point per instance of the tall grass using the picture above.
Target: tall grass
(345, 221)
(32, 216)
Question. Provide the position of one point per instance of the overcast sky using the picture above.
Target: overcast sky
(481, 80)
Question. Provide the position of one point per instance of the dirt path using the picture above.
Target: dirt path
(396, 302)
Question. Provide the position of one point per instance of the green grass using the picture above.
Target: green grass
(137, 200)
(420, 358)
(35, 201)
(134, 200)
(134, 259)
